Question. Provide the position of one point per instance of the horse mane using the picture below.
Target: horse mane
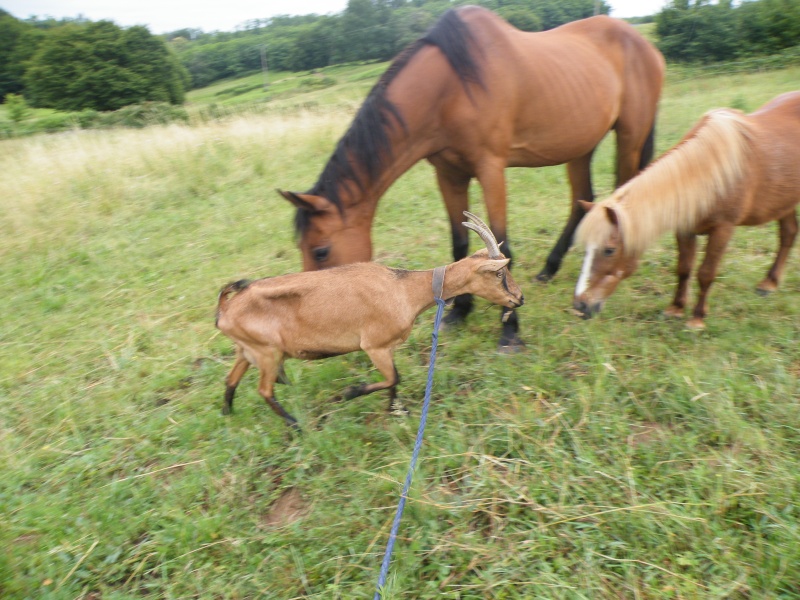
(362, 152)
(679, 189)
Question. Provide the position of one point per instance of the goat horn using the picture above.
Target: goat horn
(479, 227)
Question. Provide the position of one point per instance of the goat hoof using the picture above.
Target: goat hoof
(544, 277)
(227, 410)
(354, 391)
(398, 410)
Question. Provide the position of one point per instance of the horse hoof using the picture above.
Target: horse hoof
(452, 320)
(763, 293)
(673, 312)
(512, 346)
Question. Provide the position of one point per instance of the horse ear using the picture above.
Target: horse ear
(307, 202)
(586, 205)
(612, 215)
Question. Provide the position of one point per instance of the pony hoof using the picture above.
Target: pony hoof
(227, 410)
(695, 324)
(763, 292)
(673, 312)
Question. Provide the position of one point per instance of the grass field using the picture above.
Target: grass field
(621, 457)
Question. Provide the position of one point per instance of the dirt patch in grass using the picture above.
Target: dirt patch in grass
(287, 509)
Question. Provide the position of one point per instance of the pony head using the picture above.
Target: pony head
(325, 238)
(606, 261)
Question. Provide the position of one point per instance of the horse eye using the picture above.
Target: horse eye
(321, 254)
(609, 251)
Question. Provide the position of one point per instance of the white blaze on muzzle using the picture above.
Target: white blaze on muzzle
(586, 271)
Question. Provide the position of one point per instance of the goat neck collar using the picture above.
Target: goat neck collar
(438, 282)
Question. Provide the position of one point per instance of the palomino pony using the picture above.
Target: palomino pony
(730, 169)
(474, 96)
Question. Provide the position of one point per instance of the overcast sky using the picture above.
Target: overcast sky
(162, 16)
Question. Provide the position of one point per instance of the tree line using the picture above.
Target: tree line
(366, 30)
(701, 32)
(76, 64)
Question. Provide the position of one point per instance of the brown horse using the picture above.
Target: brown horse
(474, 96)
(730, 169)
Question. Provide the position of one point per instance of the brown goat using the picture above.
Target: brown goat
(362, 306)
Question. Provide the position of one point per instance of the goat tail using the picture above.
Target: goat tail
(225, 293)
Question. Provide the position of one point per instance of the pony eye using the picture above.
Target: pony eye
(609, 251)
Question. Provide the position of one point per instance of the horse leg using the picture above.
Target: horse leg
(240, 367)
(687, 250)
(633, 152)
(717, 242)
(580, 181)
(454, 186)
(491, 176)
(787, 232)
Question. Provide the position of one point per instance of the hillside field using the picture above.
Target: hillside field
(621, 457)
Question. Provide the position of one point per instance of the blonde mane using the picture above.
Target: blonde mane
(679, 189)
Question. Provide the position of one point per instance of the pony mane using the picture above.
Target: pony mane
(679, 189)
(365, 148)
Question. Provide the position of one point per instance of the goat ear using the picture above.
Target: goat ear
(493, 265)
(612, 215)
(307, 202)
(586, 205)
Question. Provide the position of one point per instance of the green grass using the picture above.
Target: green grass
(622, 457)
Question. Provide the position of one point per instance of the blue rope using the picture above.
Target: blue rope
(387, 557)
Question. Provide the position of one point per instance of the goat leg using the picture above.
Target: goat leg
(232, 380)
(275, 405)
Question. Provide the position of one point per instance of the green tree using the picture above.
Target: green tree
(698, 32)
(17, 42)
(103, 67)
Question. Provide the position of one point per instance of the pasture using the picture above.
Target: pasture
(622, 457)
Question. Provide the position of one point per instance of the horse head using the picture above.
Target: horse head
(326, 238)
(605, 263)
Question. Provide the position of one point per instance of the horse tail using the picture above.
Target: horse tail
(225, 294)
(649, 148)
(454, 39)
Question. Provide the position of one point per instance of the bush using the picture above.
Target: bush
(141, 115)
(17, 107)
(316, 82)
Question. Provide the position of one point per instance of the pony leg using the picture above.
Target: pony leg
(787, 232)
(491, 175)
(454, 186)
(687, 250)
(580, 181)
(240, 367)
(717, 242)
